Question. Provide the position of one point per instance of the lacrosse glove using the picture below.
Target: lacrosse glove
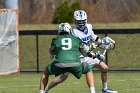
(100, 56)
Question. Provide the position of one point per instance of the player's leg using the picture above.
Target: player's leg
(50, 70)
(104, 73)
(87, 69)
(57, 81)
(84, 68)
(90, 81)
(104, 76)
(43, 82)
(102, 66)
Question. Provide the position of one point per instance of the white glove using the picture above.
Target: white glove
(91, 54)
(92, 46)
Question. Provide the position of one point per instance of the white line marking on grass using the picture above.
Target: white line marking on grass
(19, 86)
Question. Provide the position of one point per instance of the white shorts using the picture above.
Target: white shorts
(91, 61)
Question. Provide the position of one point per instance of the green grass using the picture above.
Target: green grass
(124, 56)
(29, 83)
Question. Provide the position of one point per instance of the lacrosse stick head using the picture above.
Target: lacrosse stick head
(107, 44)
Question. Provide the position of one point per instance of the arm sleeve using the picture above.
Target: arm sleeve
(52, 48)
(94, 37)
(80, 42)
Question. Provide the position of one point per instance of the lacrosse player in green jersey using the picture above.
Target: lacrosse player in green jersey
(65, 49)
(83, 30)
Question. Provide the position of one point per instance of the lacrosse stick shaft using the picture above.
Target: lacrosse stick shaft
(104, 52)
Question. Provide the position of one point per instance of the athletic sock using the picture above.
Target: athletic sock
(46, 89)
(41, 91)
(104, 85)
(92, 90)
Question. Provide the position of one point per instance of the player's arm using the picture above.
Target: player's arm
(51, 53)
(52, 50)
(95, 37)
(85, 48)
(106, 43)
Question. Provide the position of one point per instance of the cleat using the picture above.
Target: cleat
(108, 90)
(45, 91)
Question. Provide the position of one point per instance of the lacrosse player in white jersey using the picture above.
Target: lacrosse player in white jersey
(84, 31)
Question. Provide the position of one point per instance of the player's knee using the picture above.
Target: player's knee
(60, 80)
(44, 76)
(104, 67)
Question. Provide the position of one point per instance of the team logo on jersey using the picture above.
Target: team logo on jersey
(86, 39)
(84, 30)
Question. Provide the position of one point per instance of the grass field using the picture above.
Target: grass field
(29, 83)
(124, 56)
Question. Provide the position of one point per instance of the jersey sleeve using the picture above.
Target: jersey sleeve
(94, 36)
(73, 32)
(52, 48)
(80, 42)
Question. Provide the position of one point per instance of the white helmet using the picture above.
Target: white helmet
(80, 18)
(64, 27)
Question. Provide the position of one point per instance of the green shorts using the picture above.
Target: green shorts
(77, 71)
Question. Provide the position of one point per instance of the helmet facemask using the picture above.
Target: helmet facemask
(80, 17)
(80, 24)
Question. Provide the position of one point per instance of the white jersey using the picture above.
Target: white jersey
(85, 35)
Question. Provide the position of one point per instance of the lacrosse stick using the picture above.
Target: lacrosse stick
(111, 40)
(104, 52)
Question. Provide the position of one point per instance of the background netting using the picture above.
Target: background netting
(9, 62)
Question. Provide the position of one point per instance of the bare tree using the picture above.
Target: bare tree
(38, 10)
(115, 10)
(41, 11)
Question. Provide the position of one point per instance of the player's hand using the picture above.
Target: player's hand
(91, 54)
(92, 46)
(100, 56)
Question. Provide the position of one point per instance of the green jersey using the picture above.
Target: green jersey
(66, 48)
